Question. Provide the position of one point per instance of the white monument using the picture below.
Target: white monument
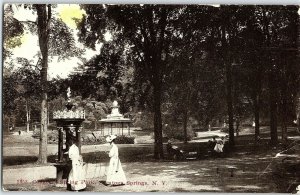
(115, 111)
(69, 94)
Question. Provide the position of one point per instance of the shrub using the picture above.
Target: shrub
(123, 139)
(92, 141)
(53, 136)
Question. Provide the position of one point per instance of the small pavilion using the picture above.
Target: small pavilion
(115, 123)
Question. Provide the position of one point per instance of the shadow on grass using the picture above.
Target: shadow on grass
(136, 154)
(18, 160)
(125, 155)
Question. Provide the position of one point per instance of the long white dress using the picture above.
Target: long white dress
(77, 175)
(219, 147)
(115, 173)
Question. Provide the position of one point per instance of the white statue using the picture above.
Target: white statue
(115, 110)
(69, 92)
(115, 104)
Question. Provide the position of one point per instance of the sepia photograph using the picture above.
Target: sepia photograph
(151, 98)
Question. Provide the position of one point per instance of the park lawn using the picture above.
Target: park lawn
(127, 154)
(143, 153)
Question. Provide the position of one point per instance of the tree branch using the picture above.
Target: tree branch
(28, 21)
(149, 15)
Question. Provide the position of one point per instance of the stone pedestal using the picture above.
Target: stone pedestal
(62, 173)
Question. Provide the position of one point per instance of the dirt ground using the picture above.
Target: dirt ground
(246, 169)
(239, 173)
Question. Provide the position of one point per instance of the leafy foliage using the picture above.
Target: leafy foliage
(61, 41)
(12, 31)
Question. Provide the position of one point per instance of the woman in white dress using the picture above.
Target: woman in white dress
(115, 173)
(219, 146)
(77, 175)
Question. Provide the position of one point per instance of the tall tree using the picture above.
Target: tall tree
(146, 29)
(43, 25)
(279, 25)
(228, 22)
(250, 62)
(54, 38)
(29, 86)
(288, 65)
(190, 67)
(10, 93)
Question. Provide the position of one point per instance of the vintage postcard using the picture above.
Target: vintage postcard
(151, 98)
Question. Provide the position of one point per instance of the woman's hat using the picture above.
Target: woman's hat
(110, 138)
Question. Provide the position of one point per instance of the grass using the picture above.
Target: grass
(131, 154)
(141, 153)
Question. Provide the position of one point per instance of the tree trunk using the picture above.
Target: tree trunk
(229, 104)
(43, 22)
(237, 126)
(284, 113)
(43, 131)
(257, 103)
(228, 87)
(8, 124)
(27, 117)
(273, 109)
(185, 113)
(298, 119)
(206, 123)
(298, 54)
(95, 128)
(185, 119)
(256, 117)
(235, 105)
(283, 129)
(48, 116)
(158, 145)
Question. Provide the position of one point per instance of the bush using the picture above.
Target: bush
(89, 140)
(123, 139)
(52, 136)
